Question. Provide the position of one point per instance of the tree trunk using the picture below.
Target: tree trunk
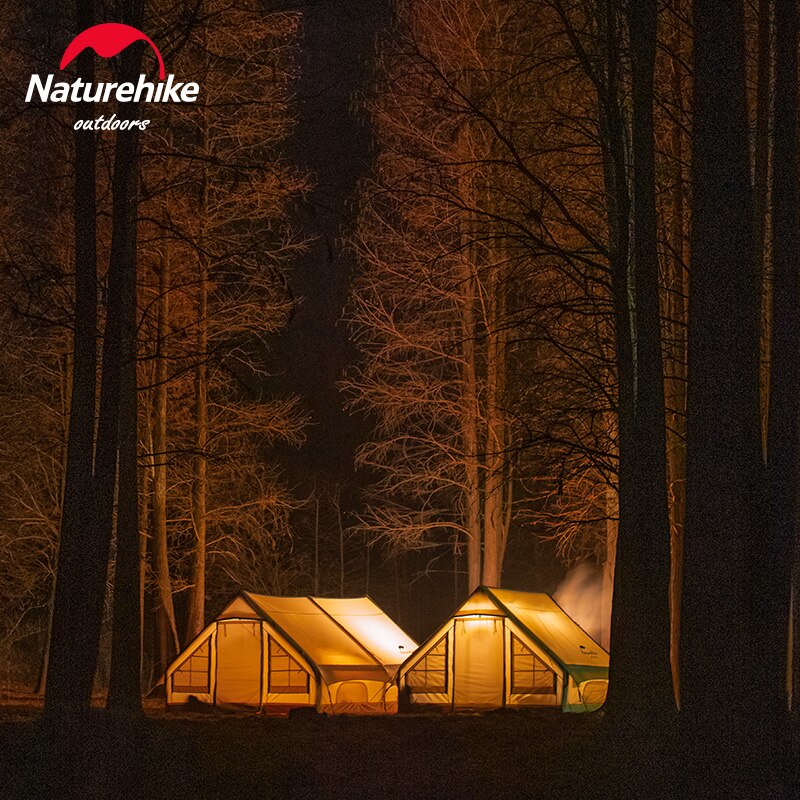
(341, 538)
(124, 695)
(723, 432)
(640, 680)
(472, 493)
(675, 387)
(316, 540)
(197, 587)
(82, 558)
(495, 450)
(197, 592)
(612, 136)
(612, 521)
(145, 476)
(761, 145)
(783, 462)
(168, 640)
(469, 378)
(367, 555)
(66, 373)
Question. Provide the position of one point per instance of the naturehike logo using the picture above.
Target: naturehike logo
(108, 40)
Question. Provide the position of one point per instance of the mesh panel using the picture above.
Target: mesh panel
(285, 674)
(529, 674)
(430, 673)
(194, 674)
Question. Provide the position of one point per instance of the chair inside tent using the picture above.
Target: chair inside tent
(339, 655)
(504, 648)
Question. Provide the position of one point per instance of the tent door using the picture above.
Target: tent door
(478, 663)
(239, 659)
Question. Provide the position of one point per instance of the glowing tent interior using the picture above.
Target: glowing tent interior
(339, 655)
(506, 648)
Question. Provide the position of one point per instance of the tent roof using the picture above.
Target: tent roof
(373, 629)
(333, 633)
(545, 622)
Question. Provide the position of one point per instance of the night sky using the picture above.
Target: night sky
(333, 143)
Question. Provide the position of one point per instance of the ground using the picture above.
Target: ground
(529, 754)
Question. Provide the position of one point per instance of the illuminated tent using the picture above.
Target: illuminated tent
(504, 648)
(278, 653)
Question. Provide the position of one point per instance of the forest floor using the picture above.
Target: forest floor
(520, 754)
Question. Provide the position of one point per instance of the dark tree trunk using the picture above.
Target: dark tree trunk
(724, 469)
(618, 203)
(79, 595)
(168, 642)
(197, 590)
(761, 145)
(641, 678)
(783, 439)
(125, 679)
(676, 295)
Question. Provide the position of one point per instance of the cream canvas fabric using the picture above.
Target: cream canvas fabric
(507, 648)
(478, 662)
(377, 633)
(238, 678)
(277, 653)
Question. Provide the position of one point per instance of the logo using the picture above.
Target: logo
(108, 40)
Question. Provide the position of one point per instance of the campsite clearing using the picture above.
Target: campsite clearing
(509, 754)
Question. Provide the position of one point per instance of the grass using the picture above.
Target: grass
(520, 754)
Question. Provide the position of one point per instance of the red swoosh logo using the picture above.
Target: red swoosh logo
(107, 40)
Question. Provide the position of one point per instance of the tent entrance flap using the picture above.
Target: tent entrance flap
(478, 663)
(239, 663)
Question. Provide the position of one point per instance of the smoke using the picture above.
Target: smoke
(580, 594)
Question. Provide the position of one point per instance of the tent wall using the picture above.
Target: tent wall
(468, 665)
(427, 676)
(478, 662)
(543, 665)
(358, 697)
(484, 657)
(192, 673)
(287, 679)
(585, 696)
(240, 658)
(245, 658)
(239, 671)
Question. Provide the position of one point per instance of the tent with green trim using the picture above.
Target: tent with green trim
(338, 655)
(506, 648)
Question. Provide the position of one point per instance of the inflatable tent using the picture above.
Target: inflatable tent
(278, 653)
(504, 648)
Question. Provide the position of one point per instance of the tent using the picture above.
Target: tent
(339, 655)
(504, 648)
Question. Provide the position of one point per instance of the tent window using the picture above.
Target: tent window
(529, 674)
(285, 674)
(193, 676)
(430, 673)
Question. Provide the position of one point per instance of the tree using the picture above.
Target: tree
(441, 238)
(218, 240)
(724, 475)
(36, 328)
(772, 601)
(640, 679)
(125, 678)
(78, 601)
